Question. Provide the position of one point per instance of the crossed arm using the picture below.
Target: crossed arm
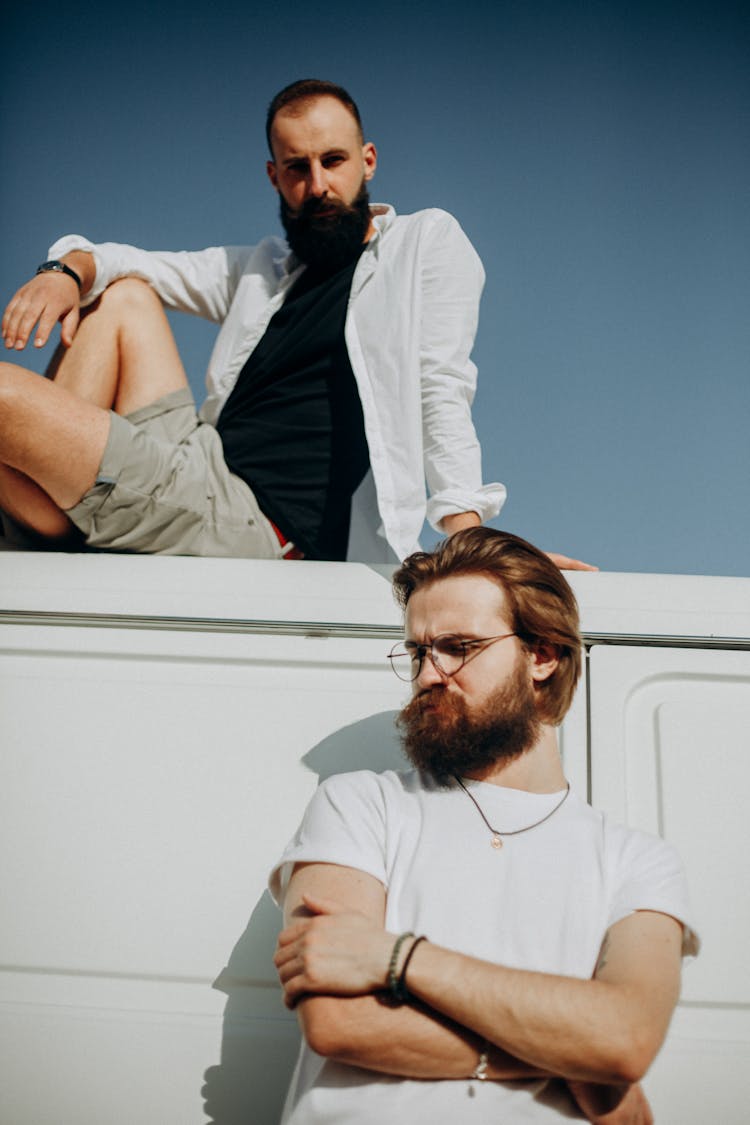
(600, 1034)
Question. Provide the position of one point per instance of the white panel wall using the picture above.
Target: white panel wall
(151, 771)
(149, 780)
(670, 735)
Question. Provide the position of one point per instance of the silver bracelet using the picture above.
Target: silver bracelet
(483, 1064)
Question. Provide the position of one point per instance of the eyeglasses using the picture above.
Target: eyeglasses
(448, 653)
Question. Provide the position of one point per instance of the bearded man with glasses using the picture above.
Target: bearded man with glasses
(469, 941)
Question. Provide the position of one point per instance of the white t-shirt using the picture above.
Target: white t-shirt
(543, 902)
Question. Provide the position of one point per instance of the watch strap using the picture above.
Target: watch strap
(55, 266)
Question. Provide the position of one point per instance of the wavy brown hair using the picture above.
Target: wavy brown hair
(541, 604)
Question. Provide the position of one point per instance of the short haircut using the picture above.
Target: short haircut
(542, 606)
(305, 90)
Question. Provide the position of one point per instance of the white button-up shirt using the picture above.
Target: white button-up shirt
(410, 328)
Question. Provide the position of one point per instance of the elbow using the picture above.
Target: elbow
(637, 1061)
(627, 1042)
(629, 1057)
(624, 1071)
(323, 1026)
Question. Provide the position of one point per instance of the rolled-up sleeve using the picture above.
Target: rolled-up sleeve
(452, 281)
(202, 282)
(652, 877)
(343, 824)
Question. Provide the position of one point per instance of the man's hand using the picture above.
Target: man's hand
(334, 952)
(612, 1105)
(565, 563)
(409, 1041)
(449, 525)
(46, 299)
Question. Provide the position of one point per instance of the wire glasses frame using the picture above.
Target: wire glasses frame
(447, 652)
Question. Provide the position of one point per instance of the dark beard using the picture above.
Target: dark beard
(327, 243)
(456, 740)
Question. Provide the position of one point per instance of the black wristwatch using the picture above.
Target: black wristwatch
(59, 267)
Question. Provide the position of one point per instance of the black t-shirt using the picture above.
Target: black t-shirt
(292, 427)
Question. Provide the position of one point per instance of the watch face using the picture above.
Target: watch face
(59, 267)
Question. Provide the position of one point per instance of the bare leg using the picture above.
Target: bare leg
(29, 505)
(123, 356)
(53, 434)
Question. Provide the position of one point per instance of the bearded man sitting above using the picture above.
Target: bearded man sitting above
(340, 383)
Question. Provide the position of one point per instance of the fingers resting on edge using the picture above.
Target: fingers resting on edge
(564, 562)
(43, 301)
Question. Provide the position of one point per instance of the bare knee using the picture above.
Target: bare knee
(48, 524)
(32, 509)
(125, 298)
(21, 392)
(14, 381)
(12, 372)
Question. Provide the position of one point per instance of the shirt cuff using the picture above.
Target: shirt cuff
(485, 501)
(66, 245)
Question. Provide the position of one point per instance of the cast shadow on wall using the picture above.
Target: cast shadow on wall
(259, 1036)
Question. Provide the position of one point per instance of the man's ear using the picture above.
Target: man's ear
(544, 659)
(370, 158)
(271, 173)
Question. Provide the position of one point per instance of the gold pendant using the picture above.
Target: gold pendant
(496, 842)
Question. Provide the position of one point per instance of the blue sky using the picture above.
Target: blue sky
(596, 153)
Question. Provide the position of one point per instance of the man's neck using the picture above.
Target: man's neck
(537, 770)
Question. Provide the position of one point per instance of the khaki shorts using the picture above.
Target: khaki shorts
(163, 488)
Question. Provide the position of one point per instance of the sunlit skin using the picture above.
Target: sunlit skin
(319, 152)
(472, 606)
(334, 953)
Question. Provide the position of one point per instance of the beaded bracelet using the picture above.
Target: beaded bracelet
(401, 993)
(393, 977)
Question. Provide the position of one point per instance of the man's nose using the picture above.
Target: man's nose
(429, 674)
(318, 182)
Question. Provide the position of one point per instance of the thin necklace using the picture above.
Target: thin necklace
(497, 837)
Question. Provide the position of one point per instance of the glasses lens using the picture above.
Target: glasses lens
(404, 663)
(449, 654)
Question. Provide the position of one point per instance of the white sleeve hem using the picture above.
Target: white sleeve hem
(486, 501)
(66, 245)
(691, 942)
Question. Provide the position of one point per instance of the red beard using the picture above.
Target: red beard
(442, 734)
